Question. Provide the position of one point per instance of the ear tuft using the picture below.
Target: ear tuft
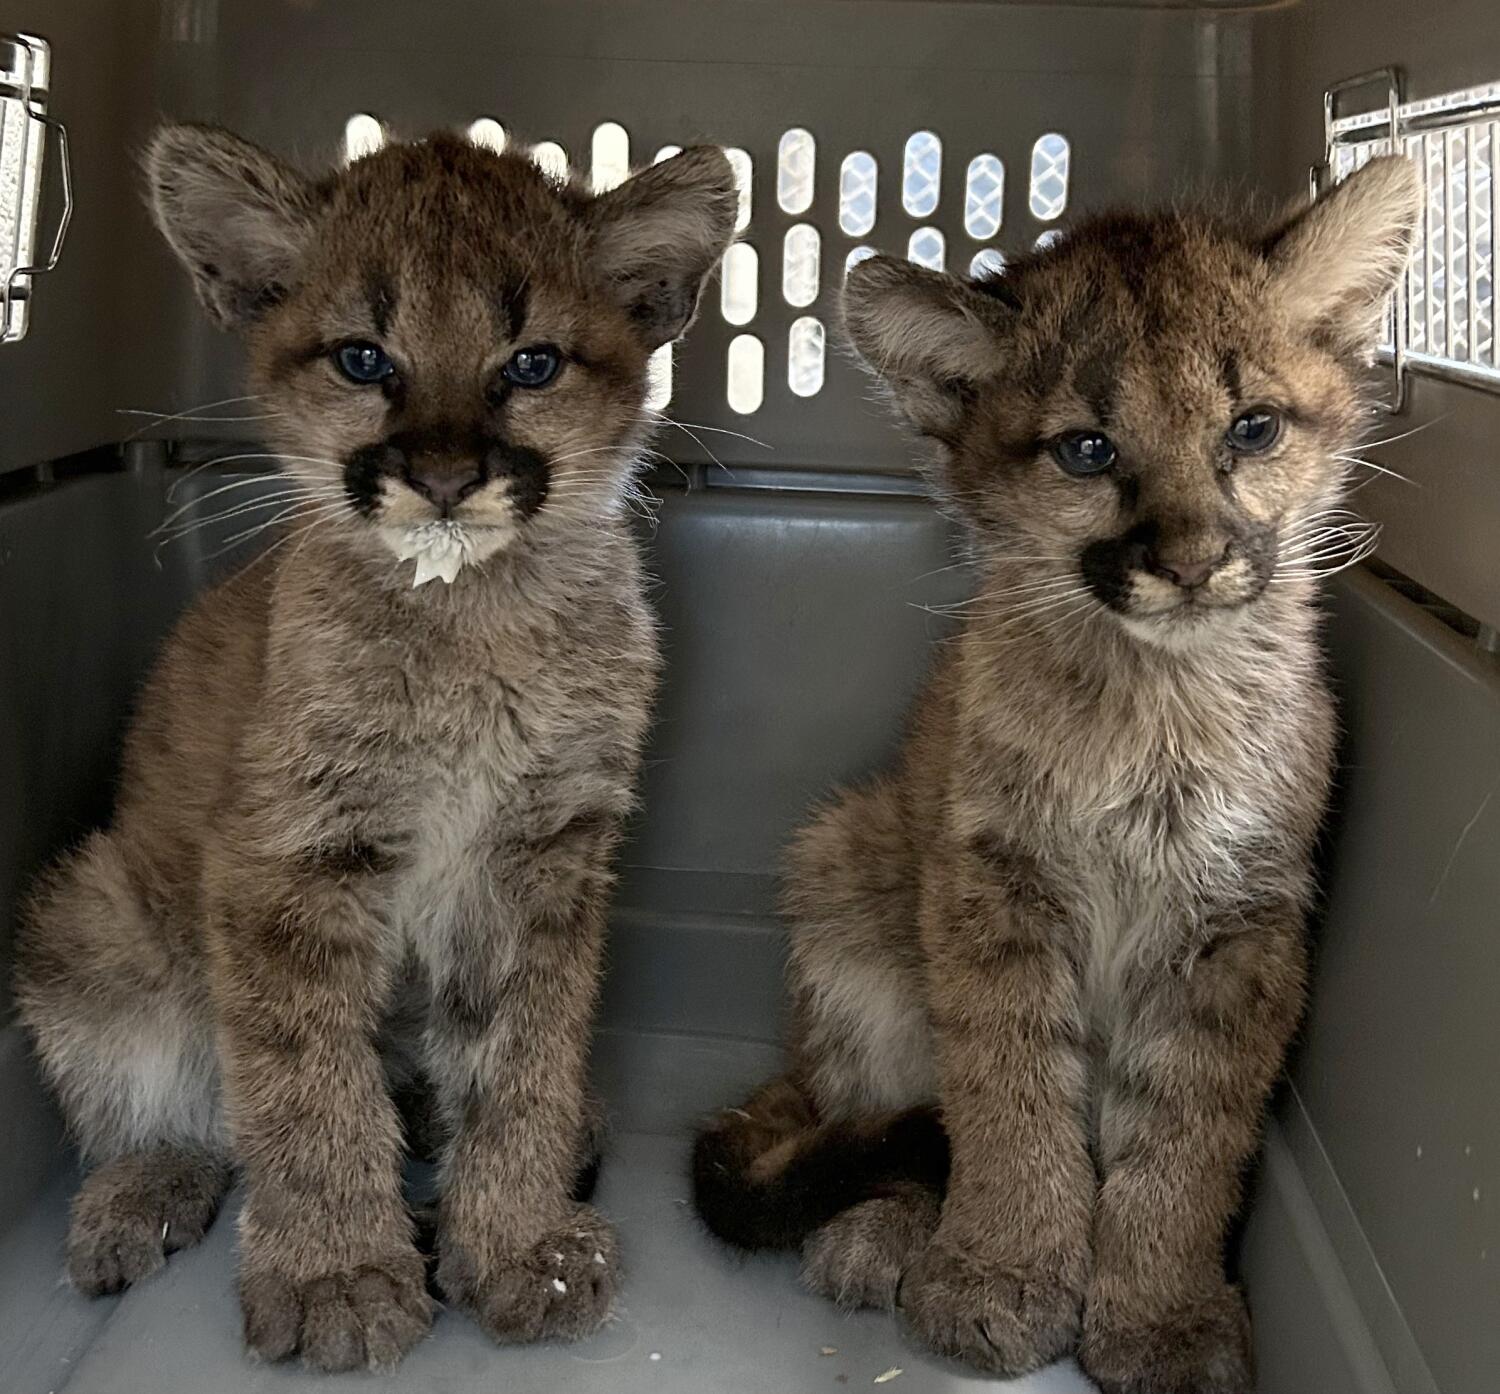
(927, 335)
(659, 235)
(238, 218)
(1333, 264)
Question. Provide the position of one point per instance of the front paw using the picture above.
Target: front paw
(364, 1317)
(1202, 1349)
(563, 1286)
(1007, 1321)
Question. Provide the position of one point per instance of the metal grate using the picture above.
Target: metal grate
(1443, 320)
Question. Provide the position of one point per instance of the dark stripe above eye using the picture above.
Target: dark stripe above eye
(510, 307)
(1230, 370)
(381, 292)
(1095, 379)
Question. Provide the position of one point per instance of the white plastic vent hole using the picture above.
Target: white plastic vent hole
(549, 157)
(611, 156)
(1050, 238)
(666, 153)
(1050, 157)
(921, 174)
(805, 353)
(988, 261)
(363, 135)
(796, 164)
(927, 248)
(984, 197)
(744, 172)
(857, 178)
(746, 379)
(800, 255)
(487, 132)
(739, 290)
(659, 379)
(857, 255)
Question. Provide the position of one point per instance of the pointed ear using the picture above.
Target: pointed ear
(1333, 264)
(238, 218)
(927, 335)
(658, 235)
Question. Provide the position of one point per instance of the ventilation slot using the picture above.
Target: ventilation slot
(549, 157)
(857, 177)
(921, 174)
(984, 197)
(861, 253)
(746, 375)
(363, 135)
(805, 353)
(744, 173)
(796, 165)
(927, 248)
(739, 288)
(988, 261)
(659, 379)
(800, 255)
(1050, 158)
(611, 156)
(487, 132)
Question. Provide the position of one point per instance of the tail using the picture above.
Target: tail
(767, 1175)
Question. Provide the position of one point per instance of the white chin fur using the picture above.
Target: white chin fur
(443, 548)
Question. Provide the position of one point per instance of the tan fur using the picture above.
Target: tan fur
(1073, 914)
(348, 803)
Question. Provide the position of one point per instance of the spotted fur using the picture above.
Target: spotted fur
(1072, 916)
(354, 809)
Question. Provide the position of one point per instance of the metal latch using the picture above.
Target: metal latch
(25, 69)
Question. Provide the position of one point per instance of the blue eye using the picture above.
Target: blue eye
(1082, 453)
(532, 367)
(1254, 430)
(363, 363)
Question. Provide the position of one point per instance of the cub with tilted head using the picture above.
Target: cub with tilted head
(1045, 971)
(353, 895)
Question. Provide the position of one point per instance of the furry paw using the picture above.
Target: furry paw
(1001, 1320)
(858, 1257)
(362, 1318)
(1202, 1350)
(563, 1286)
(130, 1213)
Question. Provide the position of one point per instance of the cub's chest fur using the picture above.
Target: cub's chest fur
(1157, 812)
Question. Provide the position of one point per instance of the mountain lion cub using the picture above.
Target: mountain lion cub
(1072, 917)
(355, 792)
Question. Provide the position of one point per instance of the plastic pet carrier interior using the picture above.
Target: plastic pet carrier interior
(801, 572)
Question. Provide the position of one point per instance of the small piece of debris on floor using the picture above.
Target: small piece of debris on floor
(598, 1257)
(829, 1350)
(559, 1285)
(889, 1375)
(655, 1355)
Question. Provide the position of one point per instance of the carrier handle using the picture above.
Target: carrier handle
(11, 292)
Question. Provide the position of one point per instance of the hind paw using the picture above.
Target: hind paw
(858, 1258)
(130, 1213)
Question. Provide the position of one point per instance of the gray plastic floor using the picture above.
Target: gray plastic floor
(693, 1318)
